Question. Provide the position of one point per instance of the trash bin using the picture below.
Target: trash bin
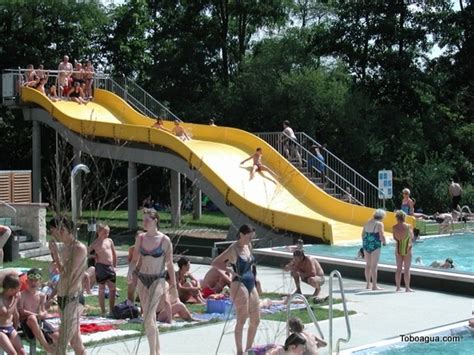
(11, 250)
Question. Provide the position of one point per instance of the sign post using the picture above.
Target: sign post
(385, 185)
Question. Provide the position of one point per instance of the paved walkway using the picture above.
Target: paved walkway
(380, 315)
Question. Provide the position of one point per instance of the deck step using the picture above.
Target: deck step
(30, 245)
(31, 253)
(24, 238)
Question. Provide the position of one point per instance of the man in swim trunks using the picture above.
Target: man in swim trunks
(5, 233)
(32, 309)
(71, 262)
(9, 339)
(105, 264)
(65, 71)
(307, 270)
(455, 191)
(214, 281)
(257, 164)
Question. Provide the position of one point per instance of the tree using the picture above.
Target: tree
(128, 41)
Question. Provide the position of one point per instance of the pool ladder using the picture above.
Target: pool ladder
(297, 296)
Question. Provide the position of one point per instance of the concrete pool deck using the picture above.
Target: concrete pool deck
(380, 315)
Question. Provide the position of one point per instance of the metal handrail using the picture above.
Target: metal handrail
(337, 274)
(346, 170)
(146, 100)
(214, 249)
(124, 87)
(10, 207)
(275, 140)
(308, 309)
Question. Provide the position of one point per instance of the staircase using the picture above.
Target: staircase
(27, 247)
(336, 176)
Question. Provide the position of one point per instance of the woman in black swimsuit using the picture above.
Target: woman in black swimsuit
(242, 289)
(154, 252)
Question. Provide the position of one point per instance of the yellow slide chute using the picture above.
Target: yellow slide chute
(292, 204)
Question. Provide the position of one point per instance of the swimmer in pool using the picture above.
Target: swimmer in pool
(447, 264)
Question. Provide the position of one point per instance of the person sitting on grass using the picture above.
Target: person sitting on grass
(5, 233)
(105, 264)
(308, 270)
(214, 281)
(257, 164)
(187, 284)
(10, 341)
(89, 280)
(313, 342)
(33, 314)
(171, 306)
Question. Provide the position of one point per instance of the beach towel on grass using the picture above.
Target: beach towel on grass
(100, 336)
(275, 308)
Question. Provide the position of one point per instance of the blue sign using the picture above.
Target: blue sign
(385, 184)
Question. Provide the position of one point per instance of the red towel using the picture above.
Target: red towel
(95, 328)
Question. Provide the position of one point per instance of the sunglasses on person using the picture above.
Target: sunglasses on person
(34, 277)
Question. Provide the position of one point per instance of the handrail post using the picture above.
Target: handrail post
(337, 274)
(308, 309)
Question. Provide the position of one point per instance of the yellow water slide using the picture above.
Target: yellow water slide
(292, 203)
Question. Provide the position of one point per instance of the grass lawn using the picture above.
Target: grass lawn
(118, 219)
(92, 303)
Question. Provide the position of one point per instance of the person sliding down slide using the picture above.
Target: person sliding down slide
(258, 166)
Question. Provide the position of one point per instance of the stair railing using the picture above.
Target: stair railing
(310, 164)
(372, 192)
(6, 204)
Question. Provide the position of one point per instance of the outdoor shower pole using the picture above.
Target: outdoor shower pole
(74, 172)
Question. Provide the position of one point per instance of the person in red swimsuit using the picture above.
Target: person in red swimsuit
(257, 164)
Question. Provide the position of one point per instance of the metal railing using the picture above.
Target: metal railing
(12, 208)
(337, 274)
(340, 174)
(371, 191)
(127, 89)
(215, 248)
(311, 166)
(308, 309)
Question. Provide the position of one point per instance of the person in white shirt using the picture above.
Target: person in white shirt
(290, 142)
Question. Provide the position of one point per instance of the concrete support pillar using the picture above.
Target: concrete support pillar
(77, 161)
(175, 194)
(132, 196)
(197, 203)
(36, 145)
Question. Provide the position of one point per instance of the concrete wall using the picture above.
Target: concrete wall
(31, 217)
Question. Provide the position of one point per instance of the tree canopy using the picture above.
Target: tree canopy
(383, 84)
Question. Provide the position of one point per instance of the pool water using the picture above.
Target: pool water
(458, 247)
(461, 343)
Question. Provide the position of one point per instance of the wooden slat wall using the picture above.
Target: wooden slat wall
(5, 186)
(21, 187)
(15, 186)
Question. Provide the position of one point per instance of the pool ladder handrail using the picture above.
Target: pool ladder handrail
(308, 309)
(336, 273)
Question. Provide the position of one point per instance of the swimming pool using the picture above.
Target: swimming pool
(459, 247)
(457, 339)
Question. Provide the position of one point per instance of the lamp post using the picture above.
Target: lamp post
(74, 204)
